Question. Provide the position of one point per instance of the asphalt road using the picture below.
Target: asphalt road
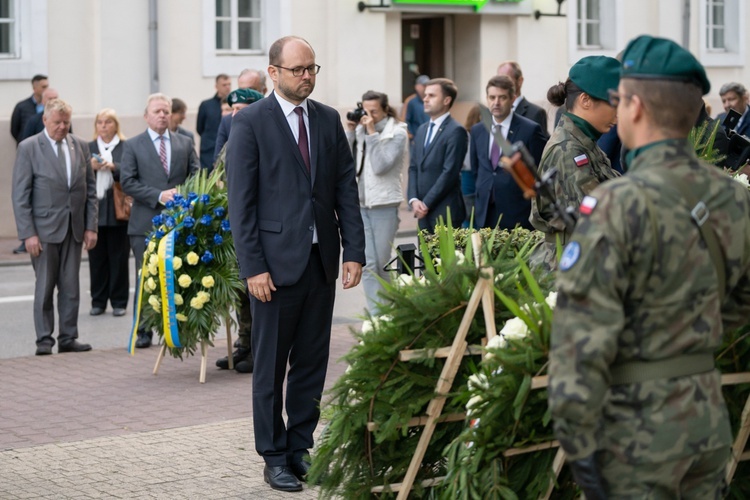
(17, 337)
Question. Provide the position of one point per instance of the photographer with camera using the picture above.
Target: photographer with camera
(380, 147)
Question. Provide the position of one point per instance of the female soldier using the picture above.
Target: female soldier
(572, 149)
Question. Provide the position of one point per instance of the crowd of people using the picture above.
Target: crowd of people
(302, 187)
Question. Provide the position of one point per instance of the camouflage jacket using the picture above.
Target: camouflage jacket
(632, 291)
(581, 166)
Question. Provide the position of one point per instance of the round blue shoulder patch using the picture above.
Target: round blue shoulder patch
(570, 255)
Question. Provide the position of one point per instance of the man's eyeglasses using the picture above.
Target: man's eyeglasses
(300, 70)
(614, 97)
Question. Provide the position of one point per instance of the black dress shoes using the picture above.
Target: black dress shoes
(300, 469)
(20, 249)
(96, 311)
(281, 478)
(143, 341)
(118, 311)
(73, 346)
(43, 349)
(238, 355)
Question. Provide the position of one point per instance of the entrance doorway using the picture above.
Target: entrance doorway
(422, 50)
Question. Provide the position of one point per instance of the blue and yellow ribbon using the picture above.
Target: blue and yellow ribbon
(166, 282)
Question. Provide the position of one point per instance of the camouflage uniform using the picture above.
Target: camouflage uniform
(637, 282)
(572, 183)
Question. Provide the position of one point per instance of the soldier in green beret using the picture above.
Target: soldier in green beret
(242, 355)
(656, 270)
(581, 165)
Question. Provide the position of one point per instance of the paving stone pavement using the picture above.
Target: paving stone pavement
(101, 425)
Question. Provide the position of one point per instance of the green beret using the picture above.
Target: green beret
(647, 57)
(595, 75)
(243, 96)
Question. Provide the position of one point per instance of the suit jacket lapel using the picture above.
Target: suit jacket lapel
(438, 135)
(312, 115)
(51, 157)
(278, 116)
(74, 161)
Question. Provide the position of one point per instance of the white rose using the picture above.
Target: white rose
(460, 258)
(479, 381)
(551, 300)
(366, 326)
(406, 280)
(514, 329)
(497, 342)
(742, 179)
(473, 404)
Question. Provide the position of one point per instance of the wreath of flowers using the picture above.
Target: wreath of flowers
(205, 281)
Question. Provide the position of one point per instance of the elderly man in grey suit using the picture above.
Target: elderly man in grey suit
(55, 205)
(437, 157)
(153, 164)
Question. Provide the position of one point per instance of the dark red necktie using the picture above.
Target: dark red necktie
(302, 140)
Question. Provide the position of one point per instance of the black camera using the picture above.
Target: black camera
(356, 114)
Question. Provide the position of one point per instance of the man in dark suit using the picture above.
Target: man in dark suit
(209, 118)
(55, 205)
(248, 79)
(498, 196)
(153, 164)
(28, 107)
(735, 96)
(521, 106)
(35, 124)
(437, 156)
(293, 202)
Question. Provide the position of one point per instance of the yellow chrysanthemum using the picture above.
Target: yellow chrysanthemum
(176, 263)
(203, 296)
(184, 280)
(153, 270)
(196, 303)
(155, 303)
(207, 281)
(150, 284)
(151, 246)
(153, 260)
(178, 301)
(192, 258)
(180, 317)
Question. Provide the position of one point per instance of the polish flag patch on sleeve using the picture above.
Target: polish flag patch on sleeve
(587, 205)
(581, 160)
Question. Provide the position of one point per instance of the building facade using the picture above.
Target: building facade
(114, 53)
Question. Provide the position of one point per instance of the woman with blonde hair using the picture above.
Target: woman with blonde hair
(108, 261)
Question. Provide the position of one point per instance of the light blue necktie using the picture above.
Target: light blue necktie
(429, 135)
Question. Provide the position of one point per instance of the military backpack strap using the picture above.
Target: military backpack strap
(635, 372)
(699, 214)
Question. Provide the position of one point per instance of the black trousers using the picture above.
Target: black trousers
(293, 328)
(108, 265)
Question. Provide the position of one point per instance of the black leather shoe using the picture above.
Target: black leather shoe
(300, 469)
(244, 366)
(143, 341)
(20, 249)
(43, 349)
(281, 478)
(118, 311)
(74, 346)
(238, 355)
(96, 311)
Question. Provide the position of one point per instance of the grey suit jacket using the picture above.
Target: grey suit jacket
(434, 173)
(143, 177)
(43, 204)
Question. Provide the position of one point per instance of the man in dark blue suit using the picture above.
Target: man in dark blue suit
(209, 119)
(735, 96)
(248, 79)
(293, 203)
(498, 196)
(437, 156)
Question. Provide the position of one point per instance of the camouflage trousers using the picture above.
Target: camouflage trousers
(244, 320)
(701, 477)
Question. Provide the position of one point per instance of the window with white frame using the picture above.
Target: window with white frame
(589, 24)
(238, 26)
(238, 33)
(23, 38)
(722, 39)
(715, 40)
(8, 29)
(594, 27)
